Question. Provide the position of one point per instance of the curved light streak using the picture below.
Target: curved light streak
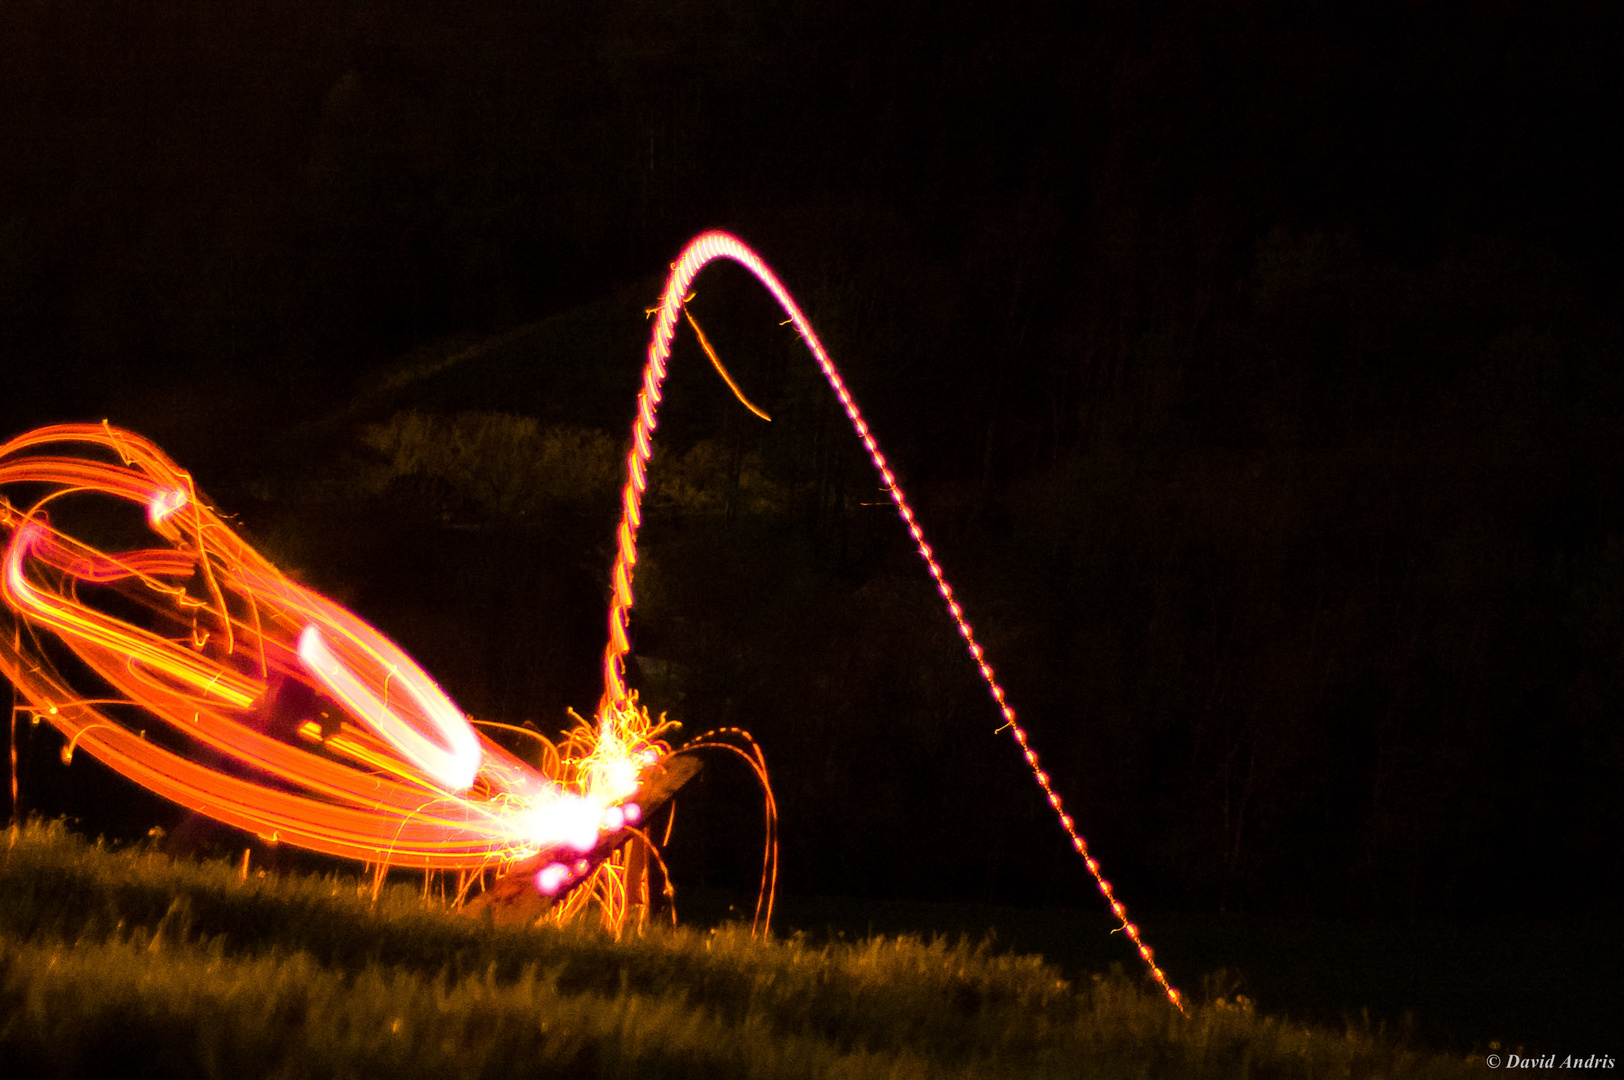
(453, 768)
(701, 251)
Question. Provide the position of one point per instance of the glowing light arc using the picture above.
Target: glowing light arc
(702, 250)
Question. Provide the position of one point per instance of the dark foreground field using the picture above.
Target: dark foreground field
(1467, 987)
(126, 962)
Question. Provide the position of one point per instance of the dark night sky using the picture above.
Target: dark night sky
(1254, 368)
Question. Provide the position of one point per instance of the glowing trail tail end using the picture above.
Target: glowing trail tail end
(454, 768)
(700, 251)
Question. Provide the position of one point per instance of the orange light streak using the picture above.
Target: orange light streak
(454, 768)
(716, 362)
(700, 251)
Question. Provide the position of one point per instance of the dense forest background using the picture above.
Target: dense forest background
(1254, 368)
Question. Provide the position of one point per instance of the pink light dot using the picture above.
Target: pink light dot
(633, 813)
(552, 878)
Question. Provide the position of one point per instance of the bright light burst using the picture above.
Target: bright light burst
(282, 713)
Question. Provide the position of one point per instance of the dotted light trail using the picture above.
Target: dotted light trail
(699, 252)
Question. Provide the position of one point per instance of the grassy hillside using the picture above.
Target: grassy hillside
(127, 962)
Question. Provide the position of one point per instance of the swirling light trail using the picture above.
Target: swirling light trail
(282, 713)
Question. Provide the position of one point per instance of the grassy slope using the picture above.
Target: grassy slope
(130, 963)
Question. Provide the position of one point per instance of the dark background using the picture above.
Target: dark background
(1254, 369)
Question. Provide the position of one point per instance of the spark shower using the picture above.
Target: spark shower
(221, 684)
